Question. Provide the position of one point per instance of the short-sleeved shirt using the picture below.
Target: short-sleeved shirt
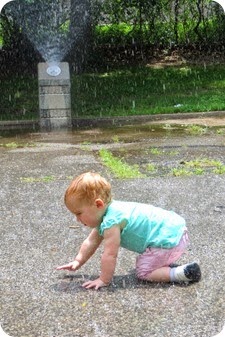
(143, 225)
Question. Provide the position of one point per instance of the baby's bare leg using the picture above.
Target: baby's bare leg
(159, 275)
(186, 273)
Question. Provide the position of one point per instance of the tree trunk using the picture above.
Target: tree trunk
(176, 13)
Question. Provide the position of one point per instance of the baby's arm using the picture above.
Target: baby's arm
(87, 249)
(108, 260)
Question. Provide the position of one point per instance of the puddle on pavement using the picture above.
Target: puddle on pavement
(158, 149)
(130, 133)
(94, 135)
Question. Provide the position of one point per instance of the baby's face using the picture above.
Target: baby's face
(89, 215)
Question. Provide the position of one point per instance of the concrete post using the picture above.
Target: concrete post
(54, 96)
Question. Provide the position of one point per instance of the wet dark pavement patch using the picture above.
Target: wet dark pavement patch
(37, 234)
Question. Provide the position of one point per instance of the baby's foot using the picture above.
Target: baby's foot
(190, 272)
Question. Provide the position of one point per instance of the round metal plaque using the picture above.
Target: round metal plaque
(53, 71)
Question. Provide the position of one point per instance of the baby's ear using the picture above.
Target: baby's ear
(99, 203)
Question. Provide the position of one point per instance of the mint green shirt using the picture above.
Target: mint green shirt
(143, 225)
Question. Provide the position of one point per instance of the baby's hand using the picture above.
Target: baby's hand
(98, 283)
(71, 266)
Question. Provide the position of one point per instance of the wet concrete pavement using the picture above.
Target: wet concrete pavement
(36, 236)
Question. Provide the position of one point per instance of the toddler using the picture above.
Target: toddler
(159, 236)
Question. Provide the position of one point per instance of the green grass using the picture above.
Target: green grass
(178, 172)
(203, 162)
(14, 145)
(196, 129)
(118, 167)
(122, 170)
(145, 90)
(19, 98)
(156, 151)
(124, 92)
(199, 166)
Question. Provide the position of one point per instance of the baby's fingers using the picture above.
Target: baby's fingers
(96, 284)
(64, 267)
(72, 266)
(90, 285)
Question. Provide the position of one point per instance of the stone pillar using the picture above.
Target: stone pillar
(54, 96)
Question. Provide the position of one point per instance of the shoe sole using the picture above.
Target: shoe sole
(193, 272)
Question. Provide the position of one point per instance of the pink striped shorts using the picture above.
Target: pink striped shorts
(155, 258)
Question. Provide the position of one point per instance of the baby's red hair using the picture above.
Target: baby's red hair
(88, 187)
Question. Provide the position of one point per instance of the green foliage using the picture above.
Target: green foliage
(14, 145)
(113, 33)
(196, 129)
(123, 21)
(147, 90)
(178, 172)
(64, 28)
(199, 166)
(151, 167)
(120, 168)
(162, 22)
(155, 151)
(19, 98)
(128, 34)
(203, 162)
(219, 170)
